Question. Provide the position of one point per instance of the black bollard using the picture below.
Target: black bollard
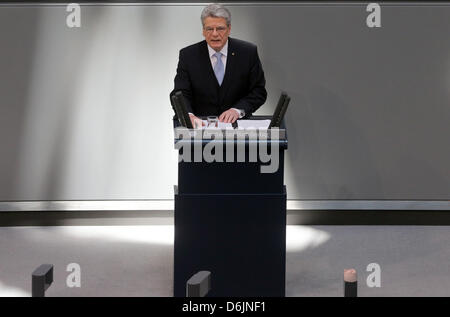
(350, 283)
(199, 284)
(41, 279)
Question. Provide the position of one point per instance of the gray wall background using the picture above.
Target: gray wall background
(84, 113)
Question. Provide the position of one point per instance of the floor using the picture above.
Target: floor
(138, 260)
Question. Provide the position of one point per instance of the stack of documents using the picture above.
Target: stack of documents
(221, 125)
(242, 124)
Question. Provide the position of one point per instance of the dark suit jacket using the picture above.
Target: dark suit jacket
(242, 86)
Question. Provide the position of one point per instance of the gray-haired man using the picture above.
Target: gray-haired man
(220, 76)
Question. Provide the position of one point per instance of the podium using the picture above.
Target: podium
(230, 218)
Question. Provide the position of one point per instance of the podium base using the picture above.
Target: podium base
(239, 238)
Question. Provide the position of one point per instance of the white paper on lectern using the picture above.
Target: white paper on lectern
(242, 124)
(224, 125)
(221, 125)
(253, 124)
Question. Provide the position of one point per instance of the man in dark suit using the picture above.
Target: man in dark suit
(220, 76)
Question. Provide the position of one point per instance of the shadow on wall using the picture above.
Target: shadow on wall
(16, 64)
(327, 139)
(411, 184)
(48, 107)
(86, 131)
(320, 160)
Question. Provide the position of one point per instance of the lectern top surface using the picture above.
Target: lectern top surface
(234, 135)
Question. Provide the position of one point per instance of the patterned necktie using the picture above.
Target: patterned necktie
(218, 69)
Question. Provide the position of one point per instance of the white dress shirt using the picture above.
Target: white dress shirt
(213, 58)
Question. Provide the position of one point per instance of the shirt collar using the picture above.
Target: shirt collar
(224, 50)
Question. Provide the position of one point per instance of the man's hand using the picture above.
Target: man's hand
(196, 122)
(229, 116)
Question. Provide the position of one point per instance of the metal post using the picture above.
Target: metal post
(199, 284)
(41, 279)
(350, 283)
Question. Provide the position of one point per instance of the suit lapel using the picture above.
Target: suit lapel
(229, 70)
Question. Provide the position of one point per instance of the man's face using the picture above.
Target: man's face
(216, 32)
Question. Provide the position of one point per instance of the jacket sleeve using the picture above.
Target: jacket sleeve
(182, 83)
(257, 93)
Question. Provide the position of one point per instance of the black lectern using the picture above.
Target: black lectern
(230, 218)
